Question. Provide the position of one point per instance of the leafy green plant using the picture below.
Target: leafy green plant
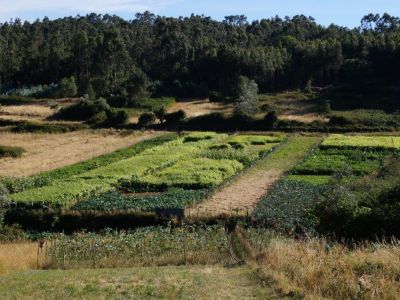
(113, 200)
(289, 205)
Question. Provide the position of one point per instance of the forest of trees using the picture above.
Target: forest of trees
(197, 55)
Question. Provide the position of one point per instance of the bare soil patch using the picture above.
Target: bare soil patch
(46, 152)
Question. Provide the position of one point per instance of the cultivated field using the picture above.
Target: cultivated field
(208, 175)
(50, 151)
(246, 191)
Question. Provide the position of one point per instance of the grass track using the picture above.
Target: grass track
(136, 283)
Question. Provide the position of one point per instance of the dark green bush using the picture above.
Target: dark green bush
(11, 151)
(147, 119)
(83, 110)
(175, 117)
(270, 120)
(118, 101)
(216, 97)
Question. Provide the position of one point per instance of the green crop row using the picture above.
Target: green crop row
(112, 201)
(375, 142)
(324, 163)
(197, 173)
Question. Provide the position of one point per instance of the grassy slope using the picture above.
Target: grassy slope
(137, 283)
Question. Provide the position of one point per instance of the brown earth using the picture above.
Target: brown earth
(46, 152)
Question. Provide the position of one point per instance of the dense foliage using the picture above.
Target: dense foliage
(289, 205)
(112, 201)
(195, 55)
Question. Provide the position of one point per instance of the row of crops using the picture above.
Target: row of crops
(148, 246)
(171, 172)
(333, 176)
(346, 155)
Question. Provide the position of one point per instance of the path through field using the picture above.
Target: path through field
(247, 190)
(46, 152)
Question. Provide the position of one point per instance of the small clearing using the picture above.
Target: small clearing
(300, 110)
(195, 108)
(199, 282)
(46, 152)
(240, 196)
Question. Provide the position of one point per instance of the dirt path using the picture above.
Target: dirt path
(246, 191)
(46, 152)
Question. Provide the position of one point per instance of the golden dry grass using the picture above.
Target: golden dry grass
(17, 257)
(313, 269)
(50, 151)
(27, 110)
(197, 108)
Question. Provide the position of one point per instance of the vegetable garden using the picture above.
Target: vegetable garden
(334, 172)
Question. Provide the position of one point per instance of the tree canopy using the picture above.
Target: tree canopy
(195, 55)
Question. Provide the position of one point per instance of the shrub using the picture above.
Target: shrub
(161, 114)
(270, 120)
(84, 110)
(4, 203)
(118, 101)
(216, 97)
(67, 88)
(324, 106)
(175, 117)
(115, 118)
(11, 151)
(247, 103)
(146, 119)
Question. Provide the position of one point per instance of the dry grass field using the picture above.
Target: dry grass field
(316, 269)
(197, 108)
(26, 112)
(17, 257)
(50, 151)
